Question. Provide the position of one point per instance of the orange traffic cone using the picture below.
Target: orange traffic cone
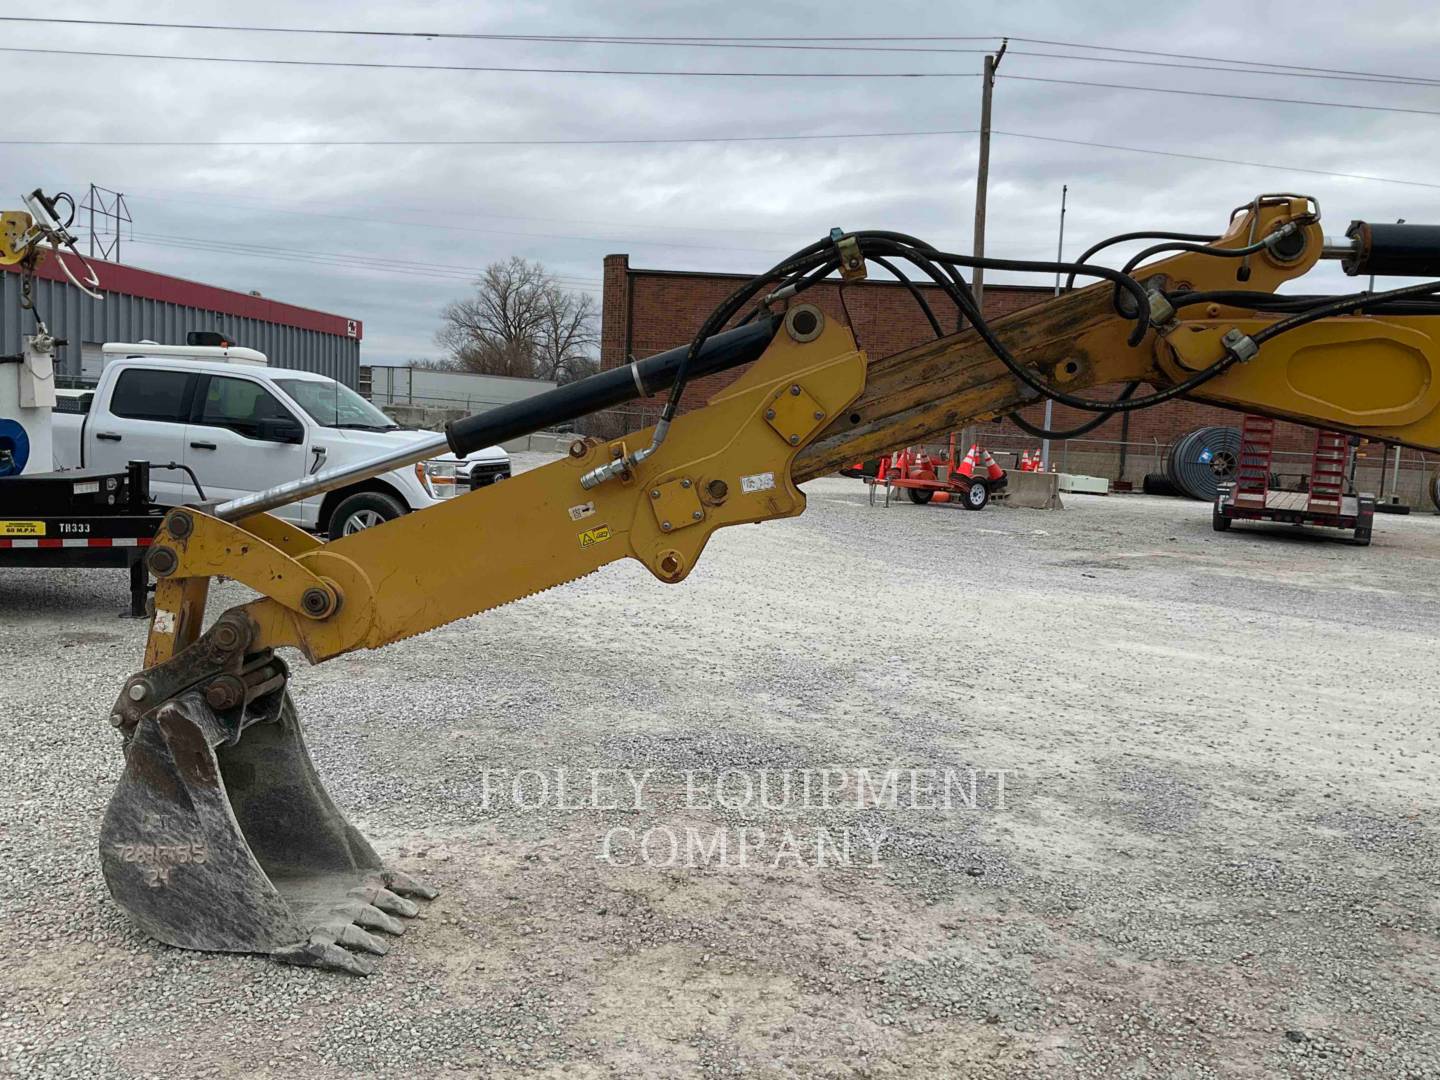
(967, 466)
(1024, 465)
(992, 470)
(1035, 461)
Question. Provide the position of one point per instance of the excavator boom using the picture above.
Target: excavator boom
(220, 835)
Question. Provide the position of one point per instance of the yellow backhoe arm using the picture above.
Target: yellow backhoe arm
(214, 753)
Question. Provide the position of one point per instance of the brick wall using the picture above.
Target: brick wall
(649, 311)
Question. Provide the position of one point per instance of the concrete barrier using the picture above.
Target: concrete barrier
(1033, 491)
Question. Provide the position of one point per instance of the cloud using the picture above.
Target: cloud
(414, 222)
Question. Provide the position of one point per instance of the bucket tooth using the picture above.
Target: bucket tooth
(406, 885)
(388, 902)
(330, 957)
(354, 938)
(229, 845)
(372, 918)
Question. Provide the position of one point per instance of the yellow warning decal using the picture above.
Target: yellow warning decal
(22, 528)
(597, 535)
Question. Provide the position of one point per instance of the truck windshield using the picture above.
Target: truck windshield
(332, 405)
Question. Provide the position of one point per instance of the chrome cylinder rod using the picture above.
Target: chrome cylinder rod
(294, 490)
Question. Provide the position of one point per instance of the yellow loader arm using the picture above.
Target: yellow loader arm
(219, 798)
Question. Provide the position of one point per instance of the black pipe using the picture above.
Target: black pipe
(608, 388)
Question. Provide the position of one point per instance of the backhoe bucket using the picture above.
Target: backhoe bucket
(229, 843)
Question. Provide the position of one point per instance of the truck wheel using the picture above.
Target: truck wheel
(976, 496)
(1218, 521)
(919, 496)
(363, 510)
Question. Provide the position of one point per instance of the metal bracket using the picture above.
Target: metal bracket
(852, 263)
(794, 414)
(676, 504)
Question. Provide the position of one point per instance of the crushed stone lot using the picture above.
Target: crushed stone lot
(1203, 839)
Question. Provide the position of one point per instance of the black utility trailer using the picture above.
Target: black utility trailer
(81, 517)
(1355, 513)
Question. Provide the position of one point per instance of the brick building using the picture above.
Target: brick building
(648, 311)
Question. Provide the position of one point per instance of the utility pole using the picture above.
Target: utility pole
(1050, 402)
(992, 61)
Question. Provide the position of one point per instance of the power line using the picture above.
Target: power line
(483, 142)
(352, 260)
(1219, 94)
(201, 144)
(224, 198)
(1381, 80)
(1425, 80)
(556, 39)
(737, 42)
(368, 65)
(378, 66)
(371, 220)
(1217, 160)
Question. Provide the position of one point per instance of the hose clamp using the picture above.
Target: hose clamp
(852, 263)
(1239, 345)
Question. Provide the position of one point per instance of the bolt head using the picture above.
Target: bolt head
(819, 415)
(116, 720)
(697, 515)
(685, 483)
(654, 493)
(769, 414)
(577, 449)
(136, 692)
(794, 391)
(162, 561)
(664, 526)
(794, 440)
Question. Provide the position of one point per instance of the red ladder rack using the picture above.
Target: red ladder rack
(1327, 472)
(1252, 473)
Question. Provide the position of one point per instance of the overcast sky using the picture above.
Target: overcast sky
(282, 215)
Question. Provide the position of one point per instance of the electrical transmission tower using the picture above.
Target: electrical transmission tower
(107, 213)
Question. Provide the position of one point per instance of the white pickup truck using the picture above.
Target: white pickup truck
(243, 426)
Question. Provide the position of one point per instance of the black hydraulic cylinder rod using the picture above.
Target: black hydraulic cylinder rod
(608, 388)
(1393, 250)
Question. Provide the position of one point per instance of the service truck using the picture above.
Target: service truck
(243, 426)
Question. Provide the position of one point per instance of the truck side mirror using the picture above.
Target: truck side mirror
(280, 429)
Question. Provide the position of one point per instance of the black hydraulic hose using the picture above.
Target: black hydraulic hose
(1199, 249)
(1340, 305)
(1296, 303)
(800, 262)
(1075, 432)
(1120, 278)
(1121, 238)
(966, 304)
(914, 292)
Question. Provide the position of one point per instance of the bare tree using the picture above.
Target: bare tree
(520, 322)
(568, 339)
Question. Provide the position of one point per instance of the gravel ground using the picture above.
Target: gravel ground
(1214, 852)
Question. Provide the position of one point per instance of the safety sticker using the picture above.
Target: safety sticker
(164, 621)
(759, 482)
(22, 528)
(1206, 456)
(581, 512)
(597, 535)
